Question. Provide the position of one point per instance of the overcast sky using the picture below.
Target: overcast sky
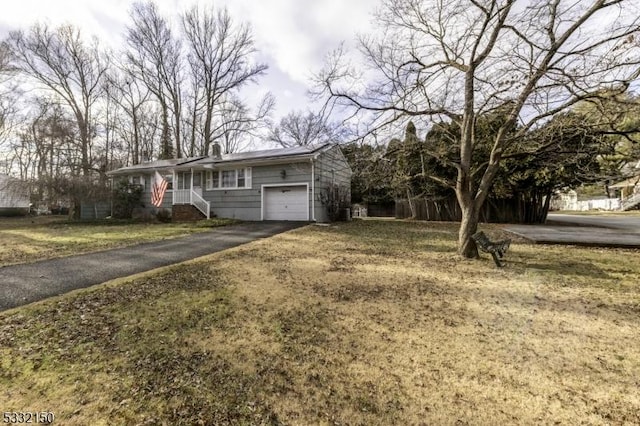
(292, 35)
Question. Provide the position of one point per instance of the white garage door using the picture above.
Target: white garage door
(286, 203)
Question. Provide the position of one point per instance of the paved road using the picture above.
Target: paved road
(577, 235)
(629, 223)
(22, 284)
(595, 231)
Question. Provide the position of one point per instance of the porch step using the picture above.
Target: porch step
(186, 213)
(631, 202)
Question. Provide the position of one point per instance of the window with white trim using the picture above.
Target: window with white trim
(228, 179)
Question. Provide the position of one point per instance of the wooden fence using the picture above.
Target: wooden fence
(95, 210)
(512, 210)
(381, 210)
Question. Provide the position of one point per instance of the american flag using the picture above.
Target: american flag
(160, 185)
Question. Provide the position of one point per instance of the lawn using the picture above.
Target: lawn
(27, 239)
(368, 322)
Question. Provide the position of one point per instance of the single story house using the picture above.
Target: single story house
(275, 184)
(14, 196)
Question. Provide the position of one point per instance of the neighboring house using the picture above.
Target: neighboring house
(14, 196)
(276, 184)
(629, 192)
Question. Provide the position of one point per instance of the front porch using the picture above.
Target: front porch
(187, 190)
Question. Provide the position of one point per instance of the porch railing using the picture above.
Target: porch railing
(201, 204)
(188, 196)
(181, 196)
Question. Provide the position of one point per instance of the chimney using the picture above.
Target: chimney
(216, 151)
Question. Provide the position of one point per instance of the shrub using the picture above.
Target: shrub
(337, 198)
(164, 215)
(126, 197)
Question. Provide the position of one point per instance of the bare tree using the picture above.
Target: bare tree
(300, 128)
(155, 55)
(236, 124)
(454, 60)
(7, 99)
(67, 67)
(5, 70)
(220, 58)
(45, 149)
(130, 95)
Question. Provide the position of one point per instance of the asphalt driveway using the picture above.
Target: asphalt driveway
(23, 284)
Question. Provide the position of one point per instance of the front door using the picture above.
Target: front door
(197, 183)
(184, 180)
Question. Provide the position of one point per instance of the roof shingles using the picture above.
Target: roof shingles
(264, 155)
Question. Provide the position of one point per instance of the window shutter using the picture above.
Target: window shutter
(208, 179)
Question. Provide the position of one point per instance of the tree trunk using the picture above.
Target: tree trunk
(412, 208)
(84, 144)
(207, 129)
(468, 226)
(545, 209)
(136, 137)
(177, 126)
(192, 143)
(165, 138)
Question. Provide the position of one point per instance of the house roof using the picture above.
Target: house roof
(253, 157)
(263, 157)
(153, 165)
(632, 181)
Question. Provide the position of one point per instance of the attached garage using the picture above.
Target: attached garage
(290, 202)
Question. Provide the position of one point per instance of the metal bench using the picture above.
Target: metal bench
(497, 249)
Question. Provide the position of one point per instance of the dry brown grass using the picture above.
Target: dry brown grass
(361, 323)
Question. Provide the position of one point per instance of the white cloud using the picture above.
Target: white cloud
(292, 36)
(298, 34)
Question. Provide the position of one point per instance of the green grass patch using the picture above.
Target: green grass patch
(30, 239)
(368, 322)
